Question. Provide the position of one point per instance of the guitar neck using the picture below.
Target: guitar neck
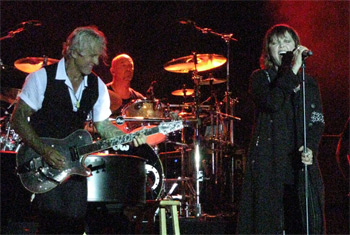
(108, 143)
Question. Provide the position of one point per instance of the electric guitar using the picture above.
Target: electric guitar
(39, 177)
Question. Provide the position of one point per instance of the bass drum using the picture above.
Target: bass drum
(154, 170)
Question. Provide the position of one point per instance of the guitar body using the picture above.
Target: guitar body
(38, 177)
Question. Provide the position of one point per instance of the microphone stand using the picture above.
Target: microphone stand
(305, 150)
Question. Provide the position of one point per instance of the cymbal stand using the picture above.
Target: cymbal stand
(215, 136)
(185, 183)
(228, 108)
(227, 38)
(197, 158)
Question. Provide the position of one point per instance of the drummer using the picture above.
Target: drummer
(120, 92)
(119, 89)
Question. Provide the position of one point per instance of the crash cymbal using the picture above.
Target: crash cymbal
(183, 92)
(9, 95)
(186, 64)
(214, 81)
(32, 64)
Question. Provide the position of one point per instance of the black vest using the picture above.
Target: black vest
(56, 118)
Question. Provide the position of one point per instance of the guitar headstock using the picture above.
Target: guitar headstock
(167, 127)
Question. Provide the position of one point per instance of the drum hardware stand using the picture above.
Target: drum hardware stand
(184, 205)
(7, 142)
(187, 191)
(197, 158)
(227, 38)
(215, 134)
(198, 175)
(228, 109)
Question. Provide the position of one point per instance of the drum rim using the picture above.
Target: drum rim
(134, 101)
(116, 155)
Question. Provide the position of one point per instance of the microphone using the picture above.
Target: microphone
(187, 22)
(307, 53)
(150, 93)
(287, 57)
(31, 22)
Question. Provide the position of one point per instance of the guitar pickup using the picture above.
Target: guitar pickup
(74, 153)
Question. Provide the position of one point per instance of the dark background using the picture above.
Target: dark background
(150, 32)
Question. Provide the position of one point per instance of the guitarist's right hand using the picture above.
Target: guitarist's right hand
(53, 158)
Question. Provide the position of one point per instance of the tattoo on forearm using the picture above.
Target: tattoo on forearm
(107, 130)
(19, 122)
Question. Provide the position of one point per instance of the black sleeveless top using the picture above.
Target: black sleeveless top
(56, 118)
(133, 96)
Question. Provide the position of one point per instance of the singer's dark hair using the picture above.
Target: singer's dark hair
(276, 30)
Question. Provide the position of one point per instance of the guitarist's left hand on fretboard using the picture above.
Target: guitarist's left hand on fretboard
(139, 140)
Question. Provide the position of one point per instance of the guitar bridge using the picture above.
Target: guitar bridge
(40, 169)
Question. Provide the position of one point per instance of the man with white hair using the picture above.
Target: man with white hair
(58, 99)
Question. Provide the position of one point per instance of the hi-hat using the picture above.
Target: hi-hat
(186, 64)
(9, 95)
(212, 81)
(183, 92)
(32, 64)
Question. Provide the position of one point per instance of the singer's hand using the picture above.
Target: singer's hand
(306, 157)
(298, 58)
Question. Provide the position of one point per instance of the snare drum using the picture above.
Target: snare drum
(145, 109)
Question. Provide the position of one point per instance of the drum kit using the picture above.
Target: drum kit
(9, 140)
(206, 131)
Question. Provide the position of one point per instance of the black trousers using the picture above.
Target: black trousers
(62, 210)
(292, 213)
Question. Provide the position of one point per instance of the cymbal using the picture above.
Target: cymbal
(182, 92)
(9, 95)
(191, 116)
(214, 81)
(186, 64)
(32, 64)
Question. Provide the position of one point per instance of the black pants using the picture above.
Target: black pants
(62, 210)
(292, 212)
(53, 224)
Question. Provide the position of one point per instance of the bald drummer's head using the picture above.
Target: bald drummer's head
(122, 68)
